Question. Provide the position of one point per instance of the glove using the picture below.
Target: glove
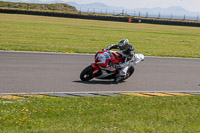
(104, 49)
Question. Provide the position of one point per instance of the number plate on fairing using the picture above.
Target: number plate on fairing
(106, 55)
(103, 57)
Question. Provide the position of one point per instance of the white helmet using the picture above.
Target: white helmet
(123, 44)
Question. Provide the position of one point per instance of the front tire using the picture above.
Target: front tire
(86, 73)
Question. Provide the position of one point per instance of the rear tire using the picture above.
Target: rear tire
(129, 72)
(86, 73)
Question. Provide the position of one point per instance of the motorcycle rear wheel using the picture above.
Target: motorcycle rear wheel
(86, 73)
(129, 72)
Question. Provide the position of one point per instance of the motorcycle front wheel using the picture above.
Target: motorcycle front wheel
(86, 73)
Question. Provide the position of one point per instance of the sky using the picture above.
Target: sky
(191, 5)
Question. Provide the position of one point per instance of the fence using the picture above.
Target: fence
(145, 14)
(105, 18)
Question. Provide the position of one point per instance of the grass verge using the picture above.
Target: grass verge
(101, 114)
(40, 33)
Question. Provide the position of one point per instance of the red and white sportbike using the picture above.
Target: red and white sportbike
(104, 66)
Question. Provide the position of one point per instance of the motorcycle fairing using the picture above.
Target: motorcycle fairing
(106, 59)
(102, 58)
(96, 69)
(101, 73)
(105, 74)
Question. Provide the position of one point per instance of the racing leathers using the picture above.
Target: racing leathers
(127, 57)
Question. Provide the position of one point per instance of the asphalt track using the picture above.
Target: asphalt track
(27, 72)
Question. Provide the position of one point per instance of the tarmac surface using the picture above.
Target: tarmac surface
(32, 72)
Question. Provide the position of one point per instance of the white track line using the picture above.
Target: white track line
(36, 52)
(98, 92)
(59, 53)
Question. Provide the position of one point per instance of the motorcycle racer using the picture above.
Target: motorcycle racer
(127, 51)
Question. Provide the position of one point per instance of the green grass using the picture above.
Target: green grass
(39, 33)
(101, 114)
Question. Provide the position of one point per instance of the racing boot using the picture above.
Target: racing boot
(118, 78)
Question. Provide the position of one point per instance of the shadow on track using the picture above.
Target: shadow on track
(97, 82)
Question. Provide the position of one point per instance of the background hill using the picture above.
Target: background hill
(99, 7)
(54, 7)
